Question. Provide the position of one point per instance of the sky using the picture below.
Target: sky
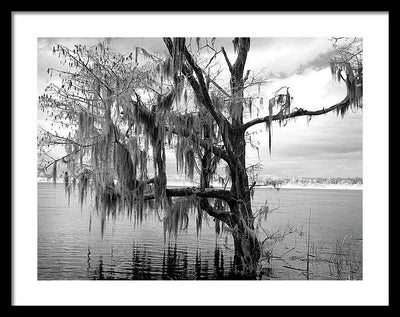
(326, 146)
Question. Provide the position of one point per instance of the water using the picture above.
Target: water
(71, 245)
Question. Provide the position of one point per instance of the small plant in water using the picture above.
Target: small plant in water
(345, 262)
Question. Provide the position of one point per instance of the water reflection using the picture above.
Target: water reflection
(88, 262)
(141, 265)
(98, 273)
(175, 264)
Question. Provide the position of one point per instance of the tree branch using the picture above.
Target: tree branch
(251, 187)
(198, 192)
(227, 60)
(79, 61)
(219, 88)
(216, 213)
(215, 54)
(238, 66)
(204, 204)
(300, 112)
(247, 76)
(70, 154)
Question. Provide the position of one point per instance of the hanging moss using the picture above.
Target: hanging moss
(54, 173)
(178, 54)
(179, 154)
(106, 202)
(189, 163)
(199, 218)
(160, 182)
(67, 187)
(268, 124)
(287, 102)
(166, 69)
(126, 170)
(353, 80)
(176, 216)
(217, 226)
(83, 184)
(250, 106)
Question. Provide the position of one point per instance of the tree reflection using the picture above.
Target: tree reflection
(175, 265)
(141, 265)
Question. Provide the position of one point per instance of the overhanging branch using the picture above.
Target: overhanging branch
(202, 193)
(299, 112)
(214, 212)
(198, 192)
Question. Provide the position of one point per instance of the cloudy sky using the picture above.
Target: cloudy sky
(327, 146)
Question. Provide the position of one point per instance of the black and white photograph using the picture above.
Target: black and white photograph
(195, 156)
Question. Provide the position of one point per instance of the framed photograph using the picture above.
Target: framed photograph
(204, 159)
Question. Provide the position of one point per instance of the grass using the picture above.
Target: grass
(345, 262)
(308, 246)
(301, 257)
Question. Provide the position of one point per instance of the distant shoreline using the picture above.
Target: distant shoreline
(287, 186)
(342, 187)
(291, 186)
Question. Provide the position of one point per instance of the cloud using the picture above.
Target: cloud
(284, 57)
(318, 63)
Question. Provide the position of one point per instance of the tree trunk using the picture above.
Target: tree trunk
(247, 254)
(247, 247)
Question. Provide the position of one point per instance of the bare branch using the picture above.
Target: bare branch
(211, 59)
(220, 88)
(227, 59)
(247, 75)
(70, 154)
(80, 61)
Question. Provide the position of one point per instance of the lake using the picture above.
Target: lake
(306, 234)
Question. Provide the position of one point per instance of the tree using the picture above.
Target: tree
(123, 110)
